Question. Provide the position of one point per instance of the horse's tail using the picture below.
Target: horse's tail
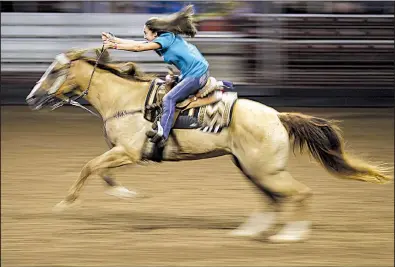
(325, 143)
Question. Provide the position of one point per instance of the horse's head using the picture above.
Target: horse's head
(53, 84)
(57, 81)
(59, 84)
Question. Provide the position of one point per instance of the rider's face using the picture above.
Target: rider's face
(149, 35)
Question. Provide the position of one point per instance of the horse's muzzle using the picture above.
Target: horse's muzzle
(37, 102)
(32, 102)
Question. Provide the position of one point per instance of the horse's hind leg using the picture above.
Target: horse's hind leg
(286, 195)
(292, 200)
(259, 221)
(261, 149)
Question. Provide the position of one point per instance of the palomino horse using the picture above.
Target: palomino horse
(257, 136)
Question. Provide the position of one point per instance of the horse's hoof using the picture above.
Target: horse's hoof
(257, 223)
(293, 232)
(288, 238)
(63, 206)
(243, 233)
(122, 192)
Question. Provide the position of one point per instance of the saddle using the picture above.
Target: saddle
(198, 110)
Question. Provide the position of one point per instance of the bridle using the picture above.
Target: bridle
(71, 100)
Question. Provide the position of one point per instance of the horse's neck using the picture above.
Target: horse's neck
(109, 93)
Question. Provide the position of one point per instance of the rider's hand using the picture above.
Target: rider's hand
(169, 79)
(105, 36)
(108, 44)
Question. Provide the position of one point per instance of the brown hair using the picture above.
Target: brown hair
(178, 23)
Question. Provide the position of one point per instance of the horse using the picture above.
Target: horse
(258, 138)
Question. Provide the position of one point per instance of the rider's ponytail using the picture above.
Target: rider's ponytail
(179, 23)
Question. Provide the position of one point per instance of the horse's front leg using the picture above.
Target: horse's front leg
(115, 157)
(116, 189)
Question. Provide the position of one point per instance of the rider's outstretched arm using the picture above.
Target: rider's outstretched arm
(111, 41)
(110, 37)
(137, 46)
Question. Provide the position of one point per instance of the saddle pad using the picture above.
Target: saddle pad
(214, 117)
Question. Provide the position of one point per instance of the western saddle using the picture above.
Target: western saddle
(211, 93)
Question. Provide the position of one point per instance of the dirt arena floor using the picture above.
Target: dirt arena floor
(191, 206)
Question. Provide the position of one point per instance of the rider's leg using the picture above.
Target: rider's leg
(188, 86)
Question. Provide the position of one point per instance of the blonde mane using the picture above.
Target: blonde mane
(127, 70)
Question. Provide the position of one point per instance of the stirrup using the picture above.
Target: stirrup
(159, 140)
(153, 135)
(156, 135)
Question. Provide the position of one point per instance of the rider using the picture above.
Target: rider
(164, 37)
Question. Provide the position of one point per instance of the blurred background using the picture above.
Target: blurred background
(292, 53)
(331, 59)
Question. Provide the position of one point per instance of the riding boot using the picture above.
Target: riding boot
(156, 135)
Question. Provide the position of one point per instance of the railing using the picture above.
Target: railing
(327, 51)
(30, 41)
(277, 50)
